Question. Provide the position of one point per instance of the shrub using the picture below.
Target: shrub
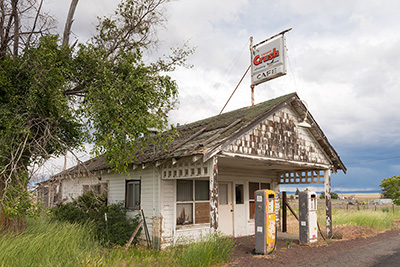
(90, 207)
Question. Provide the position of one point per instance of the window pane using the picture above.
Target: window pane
(253, 187)
(133, 195)
(202, 190)
(239, 194)
(129, 197)
(95, 188)
(136, 196)
(184, 214)
(223, 194)
(184, 190)
(85, 188)
(265, 186)
(251, 209)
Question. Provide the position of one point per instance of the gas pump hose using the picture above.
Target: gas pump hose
(321, 232)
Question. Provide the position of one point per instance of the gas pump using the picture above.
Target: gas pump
(265, 221)
(308, 217)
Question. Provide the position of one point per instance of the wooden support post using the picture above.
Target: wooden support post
(284, 212)
(214, 195)
(328, 203)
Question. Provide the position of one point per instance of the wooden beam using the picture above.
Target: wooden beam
(196, 158)
(284, 212)
(214, 195)
(328, 203)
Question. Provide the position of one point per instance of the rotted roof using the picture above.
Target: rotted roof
(206, 137)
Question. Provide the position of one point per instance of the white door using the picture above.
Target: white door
(225, 208)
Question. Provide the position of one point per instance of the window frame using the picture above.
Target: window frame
(132, 181)
(251, 198)
(192, 202)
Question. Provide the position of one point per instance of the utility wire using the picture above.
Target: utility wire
(372, 160)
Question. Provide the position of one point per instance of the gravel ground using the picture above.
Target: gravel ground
(380, 250)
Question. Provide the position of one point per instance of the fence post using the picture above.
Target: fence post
(284, 212)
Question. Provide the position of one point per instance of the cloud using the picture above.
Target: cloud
(343, 61)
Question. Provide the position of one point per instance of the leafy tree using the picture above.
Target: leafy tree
(297, 192)
(333, 195)
(54, 97)
(390, 188)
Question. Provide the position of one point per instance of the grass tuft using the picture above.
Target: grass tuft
(210, 249)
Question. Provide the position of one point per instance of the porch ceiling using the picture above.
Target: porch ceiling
(265, 164)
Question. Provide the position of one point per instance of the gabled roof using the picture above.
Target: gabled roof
(206, 137)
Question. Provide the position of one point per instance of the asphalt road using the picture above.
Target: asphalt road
(384, 253)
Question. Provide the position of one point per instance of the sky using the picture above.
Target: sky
(343, 60)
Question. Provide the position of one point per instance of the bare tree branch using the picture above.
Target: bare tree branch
(68, 23)
(34, 23)
(15, 14)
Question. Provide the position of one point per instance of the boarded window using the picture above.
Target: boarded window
(132, 194)
(202, 212)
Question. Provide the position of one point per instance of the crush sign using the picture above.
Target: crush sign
(268, 60)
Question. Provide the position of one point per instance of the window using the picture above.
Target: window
(193, 204)
(132, 194)
(253, 187)
(239, 194)
(99, 188)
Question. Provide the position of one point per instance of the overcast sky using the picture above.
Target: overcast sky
(343, 60)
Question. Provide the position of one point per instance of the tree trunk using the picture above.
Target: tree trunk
(68, 23)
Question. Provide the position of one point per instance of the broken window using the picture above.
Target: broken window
(193, 205)
(132, 194)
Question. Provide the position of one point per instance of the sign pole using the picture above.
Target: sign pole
(251, 83)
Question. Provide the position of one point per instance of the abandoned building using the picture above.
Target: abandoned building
(208, 176)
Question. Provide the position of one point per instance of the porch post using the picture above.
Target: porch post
(328, 204)
(214, 195)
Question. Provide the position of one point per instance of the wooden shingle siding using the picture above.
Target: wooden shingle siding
(279, 137)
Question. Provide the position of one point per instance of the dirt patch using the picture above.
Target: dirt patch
(347, 232)
(290, 252)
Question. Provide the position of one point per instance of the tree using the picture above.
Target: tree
(390, 188)
(297, 191)
(333, 195)
(55, 97)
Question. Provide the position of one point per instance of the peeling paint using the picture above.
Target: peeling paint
(214, 195)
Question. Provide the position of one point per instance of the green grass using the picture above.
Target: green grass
(47, 244)
(369, 218)
(211, 249)
(55, 243)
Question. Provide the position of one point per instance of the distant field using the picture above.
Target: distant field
(363, 196)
